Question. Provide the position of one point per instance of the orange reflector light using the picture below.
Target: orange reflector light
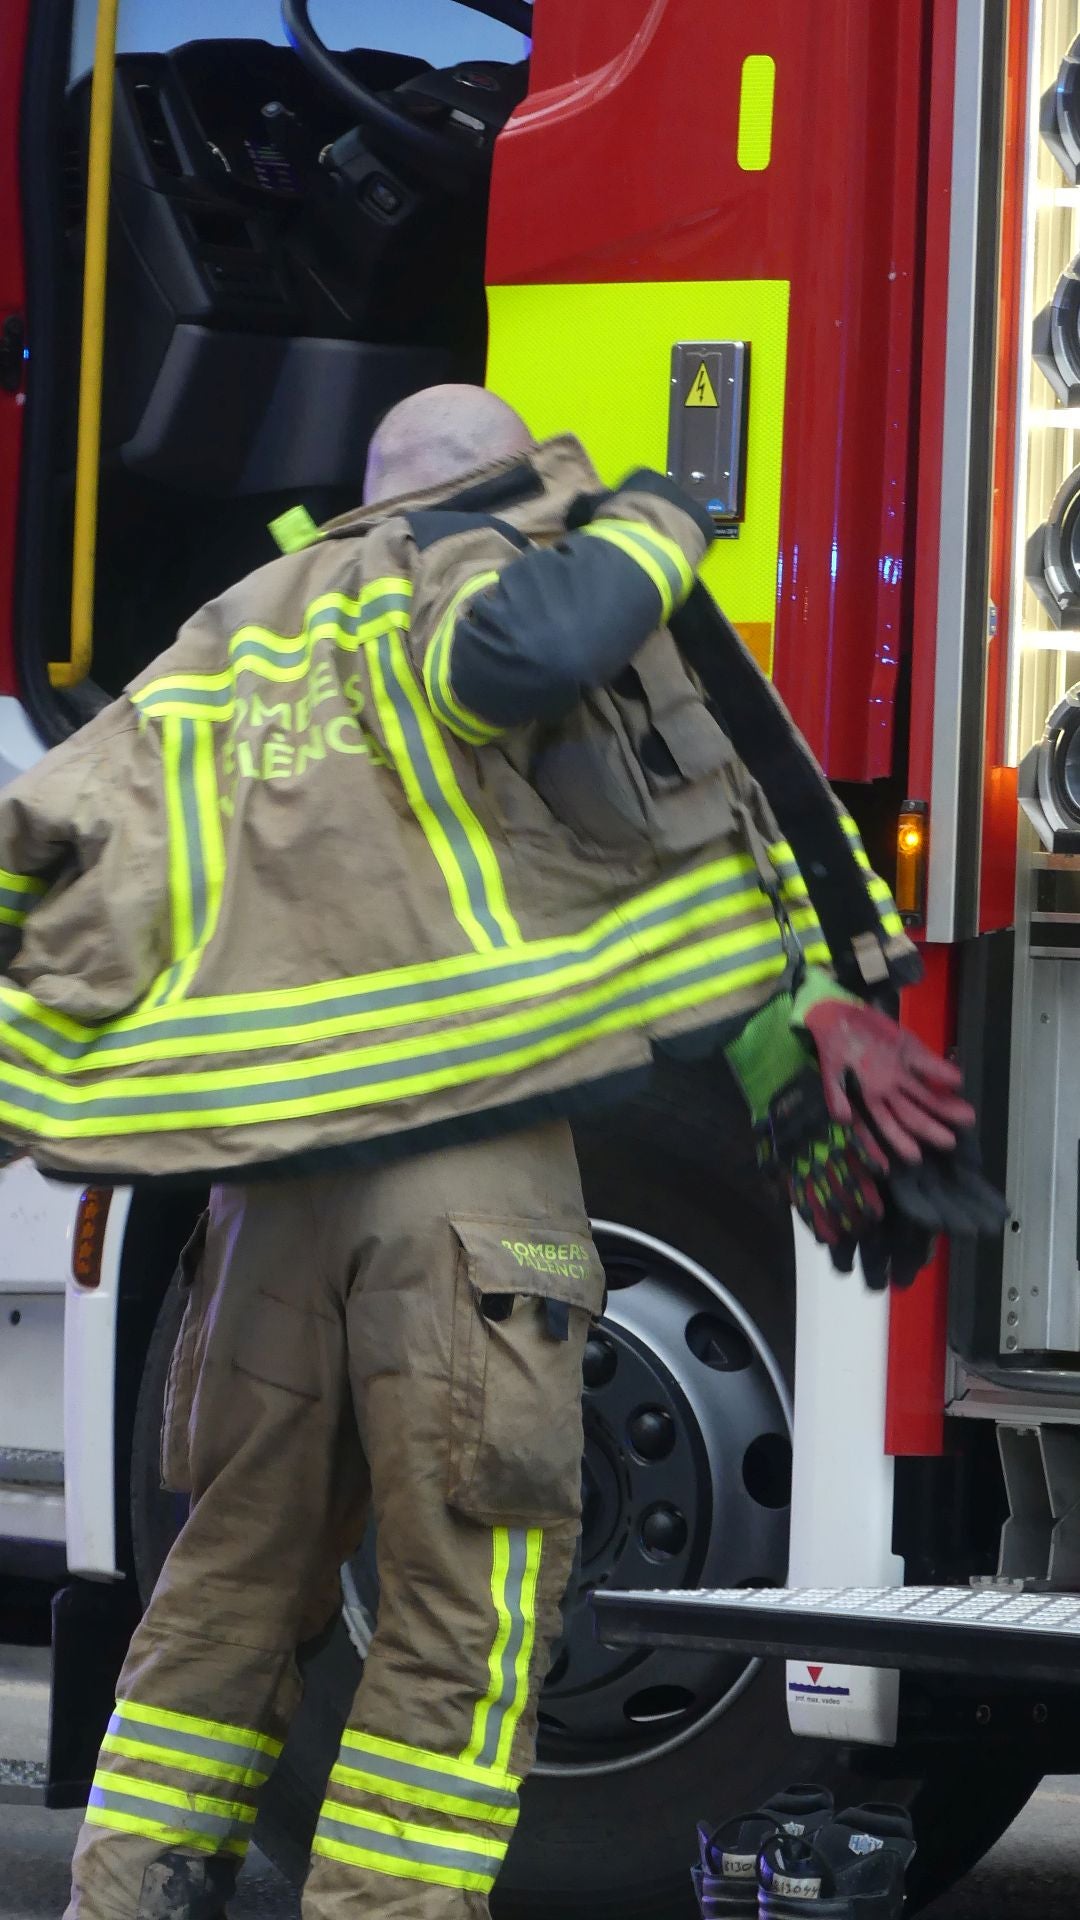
(90, 1224)
(911, 841)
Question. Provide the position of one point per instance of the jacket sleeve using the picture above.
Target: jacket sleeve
(84, 918)
(524, 643)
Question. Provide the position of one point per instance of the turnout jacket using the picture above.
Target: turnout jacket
(422, 829)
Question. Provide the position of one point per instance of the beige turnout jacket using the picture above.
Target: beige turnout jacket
(422, 828)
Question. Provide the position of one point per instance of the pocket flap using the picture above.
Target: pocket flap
(539, 1259)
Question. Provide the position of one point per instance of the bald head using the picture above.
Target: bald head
(438, 435)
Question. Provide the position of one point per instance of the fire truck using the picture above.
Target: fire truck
(818, 260)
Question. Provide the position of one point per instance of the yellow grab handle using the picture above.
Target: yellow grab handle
(68, 673)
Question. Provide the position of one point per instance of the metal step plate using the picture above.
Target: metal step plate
(990, 1631)
(22, 1782)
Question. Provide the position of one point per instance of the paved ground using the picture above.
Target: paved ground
(1033, 1874)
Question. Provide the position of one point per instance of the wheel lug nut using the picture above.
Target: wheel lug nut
(663, 1532)
(652, 1433)
(600, 1362)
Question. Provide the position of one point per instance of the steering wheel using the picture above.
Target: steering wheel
(433, 152)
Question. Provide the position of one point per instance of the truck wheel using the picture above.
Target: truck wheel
(686, 1480)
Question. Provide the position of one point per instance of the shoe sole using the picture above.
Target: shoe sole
(721, 1906)
(783, 1906)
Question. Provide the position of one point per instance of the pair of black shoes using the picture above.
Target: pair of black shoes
(796, 1856)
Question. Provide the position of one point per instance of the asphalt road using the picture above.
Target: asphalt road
(1034, 1871)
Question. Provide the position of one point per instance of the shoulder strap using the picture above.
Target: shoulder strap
(768, 746)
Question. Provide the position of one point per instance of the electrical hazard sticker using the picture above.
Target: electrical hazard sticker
(702, 392)
(707, 426)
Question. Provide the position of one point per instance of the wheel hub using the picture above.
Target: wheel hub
(685, 1483)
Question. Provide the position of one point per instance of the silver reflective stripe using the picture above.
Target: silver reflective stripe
(513, 1594)
(246, 1099)
(396, 1846)
(413, 994)
(407, 1773)
(420, 765)
(166, 1740)
(215, 1826)
(16, 902)
(248, 654)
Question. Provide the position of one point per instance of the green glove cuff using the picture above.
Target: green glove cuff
(767, 1055)
(817, 986)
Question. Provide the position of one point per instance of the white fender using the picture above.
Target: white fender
(842, 1485)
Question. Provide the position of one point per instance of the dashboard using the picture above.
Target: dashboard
(240, 113)
(262, 307)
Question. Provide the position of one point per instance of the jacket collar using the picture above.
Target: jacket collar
(550, 473)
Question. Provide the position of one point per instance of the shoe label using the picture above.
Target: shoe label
(740, 1866)
(865, 1843)
(796, 1889)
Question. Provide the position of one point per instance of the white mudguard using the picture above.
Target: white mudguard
(842, 1486)
(56, 1395)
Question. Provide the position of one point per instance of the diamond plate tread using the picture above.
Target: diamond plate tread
(31, 1467)
(944, 1606)
(23, 1781)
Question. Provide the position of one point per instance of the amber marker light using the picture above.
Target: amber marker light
(91, 1221)
(911, 839)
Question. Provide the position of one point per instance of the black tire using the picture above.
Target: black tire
(673, 1165)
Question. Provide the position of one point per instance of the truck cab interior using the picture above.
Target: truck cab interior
(295, 240)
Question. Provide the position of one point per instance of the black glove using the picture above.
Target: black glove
(945, 1193)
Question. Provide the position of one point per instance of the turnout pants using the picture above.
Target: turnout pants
(411, 1339)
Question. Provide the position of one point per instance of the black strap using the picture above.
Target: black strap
(429, 525)
(557, 1315)
(796, 790)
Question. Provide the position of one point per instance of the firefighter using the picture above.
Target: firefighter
(415, 840)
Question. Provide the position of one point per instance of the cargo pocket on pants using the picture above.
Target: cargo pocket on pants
(180, 1381)
(524, 1296)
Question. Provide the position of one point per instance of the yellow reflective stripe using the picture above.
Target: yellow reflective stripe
(238, 1811)
(452, 830)
(523, 1659)
(879, 892)
(179, 864)
(468, 1845)
(497, 904)
(203, 1764)
(638, 944)
(402, 1869)
(209, 860)
(196, 848)
(516, 1557)
(157, 1830)
(334, 616)
(503, 1624)
(464, 965)
(20, 882)
(397, 1087)
(413, 1796)
(661, 546)
(13, 916)
(433, 828)
(662, 559)
(431, 1762)
(645, 561)
(407, 1046)
(169, 1721)
(460, 720)
(756, 95)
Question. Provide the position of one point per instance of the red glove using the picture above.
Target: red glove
(909, 1095)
